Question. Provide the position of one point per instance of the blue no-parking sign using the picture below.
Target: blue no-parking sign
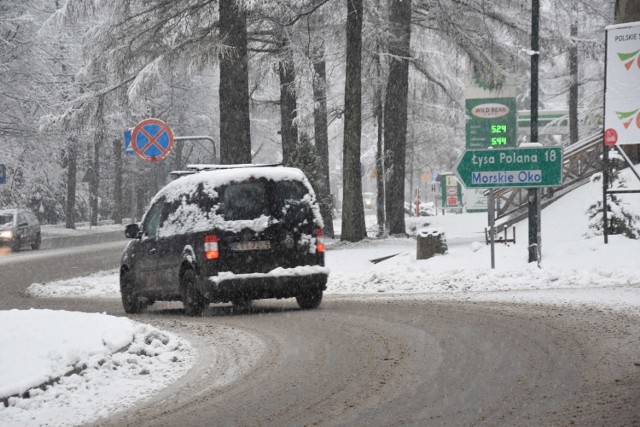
(152, 139)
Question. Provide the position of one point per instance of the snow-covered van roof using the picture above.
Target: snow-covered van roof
(212, 179)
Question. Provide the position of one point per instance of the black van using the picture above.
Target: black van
(227, 234)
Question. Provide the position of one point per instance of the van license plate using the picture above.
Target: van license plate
(252, 245)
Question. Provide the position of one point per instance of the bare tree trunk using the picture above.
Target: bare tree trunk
(235, 125)
(321, 132)
(380, 162)
(380, 181)
(140, 199)
(353, 226)
(627, 11)
(573, 88)
(395, 113)
(94, 184)
(70, 207)
(117, 181)
(288, 99)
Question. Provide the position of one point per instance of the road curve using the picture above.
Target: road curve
(359, 362)
(366, 361)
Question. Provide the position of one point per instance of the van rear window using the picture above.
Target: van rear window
(247, 200)
(291, 190)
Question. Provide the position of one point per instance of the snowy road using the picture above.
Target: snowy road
(19, 270)
(360, 360)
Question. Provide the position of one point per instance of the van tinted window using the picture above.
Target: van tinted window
(291, 190)
(246, 200)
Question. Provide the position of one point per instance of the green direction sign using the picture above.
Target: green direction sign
(511, 167)
(491, 122)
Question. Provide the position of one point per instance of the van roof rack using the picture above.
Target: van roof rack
(208, 167)
(195, 168)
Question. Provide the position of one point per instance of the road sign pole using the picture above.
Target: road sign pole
(195, 138)
(492, 226)
(534, 207)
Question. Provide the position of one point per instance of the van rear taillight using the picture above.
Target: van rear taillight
(211, 247)
(319, 240)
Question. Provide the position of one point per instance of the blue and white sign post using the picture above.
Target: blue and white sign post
(128, 148)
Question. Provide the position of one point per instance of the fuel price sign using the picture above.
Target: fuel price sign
(491, 122)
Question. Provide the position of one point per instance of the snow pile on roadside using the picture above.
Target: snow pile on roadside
(97, 363)
(81, 229)
(103, 284)
(420, 279)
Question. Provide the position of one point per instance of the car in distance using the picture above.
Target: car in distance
(232, 234)
(19, 228)
(369, 200)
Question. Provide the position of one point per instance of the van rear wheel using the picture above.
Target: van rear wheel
(194, 303)
(309, 298)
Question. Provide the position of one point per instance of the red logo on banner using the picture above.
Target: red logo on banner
(610, 137)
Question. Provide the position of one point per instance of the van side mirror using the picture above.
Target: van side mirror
(131, 230)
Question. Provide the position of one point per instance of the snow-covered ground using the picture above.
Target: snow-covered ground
(94, 361)
(575, 270)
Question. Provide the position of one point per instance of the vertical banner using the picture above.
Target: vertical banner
(622, 85)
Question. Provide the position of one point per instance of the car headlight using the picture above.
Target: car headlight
(6, 234)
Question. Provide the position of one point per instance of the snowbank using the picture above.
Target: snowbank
(78, 367)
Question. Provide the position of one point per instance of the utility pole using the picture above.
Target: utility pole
(534, 202)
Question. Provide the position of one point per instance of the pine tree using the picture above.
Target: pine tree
(619, 219)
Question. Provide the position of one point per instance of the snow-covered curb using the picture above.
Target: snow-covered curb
(85, 364)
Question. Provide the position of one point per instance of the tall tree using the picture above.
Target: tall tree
(72, 167)
(288, 99)
(395, 112)
(353, 225)
(321, 133)
(94, 184)
(117, 182)
(235, 124)
(573, 85)
(627, 11)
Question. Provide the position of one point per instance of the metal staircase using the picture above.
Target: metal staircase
(580, 161)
